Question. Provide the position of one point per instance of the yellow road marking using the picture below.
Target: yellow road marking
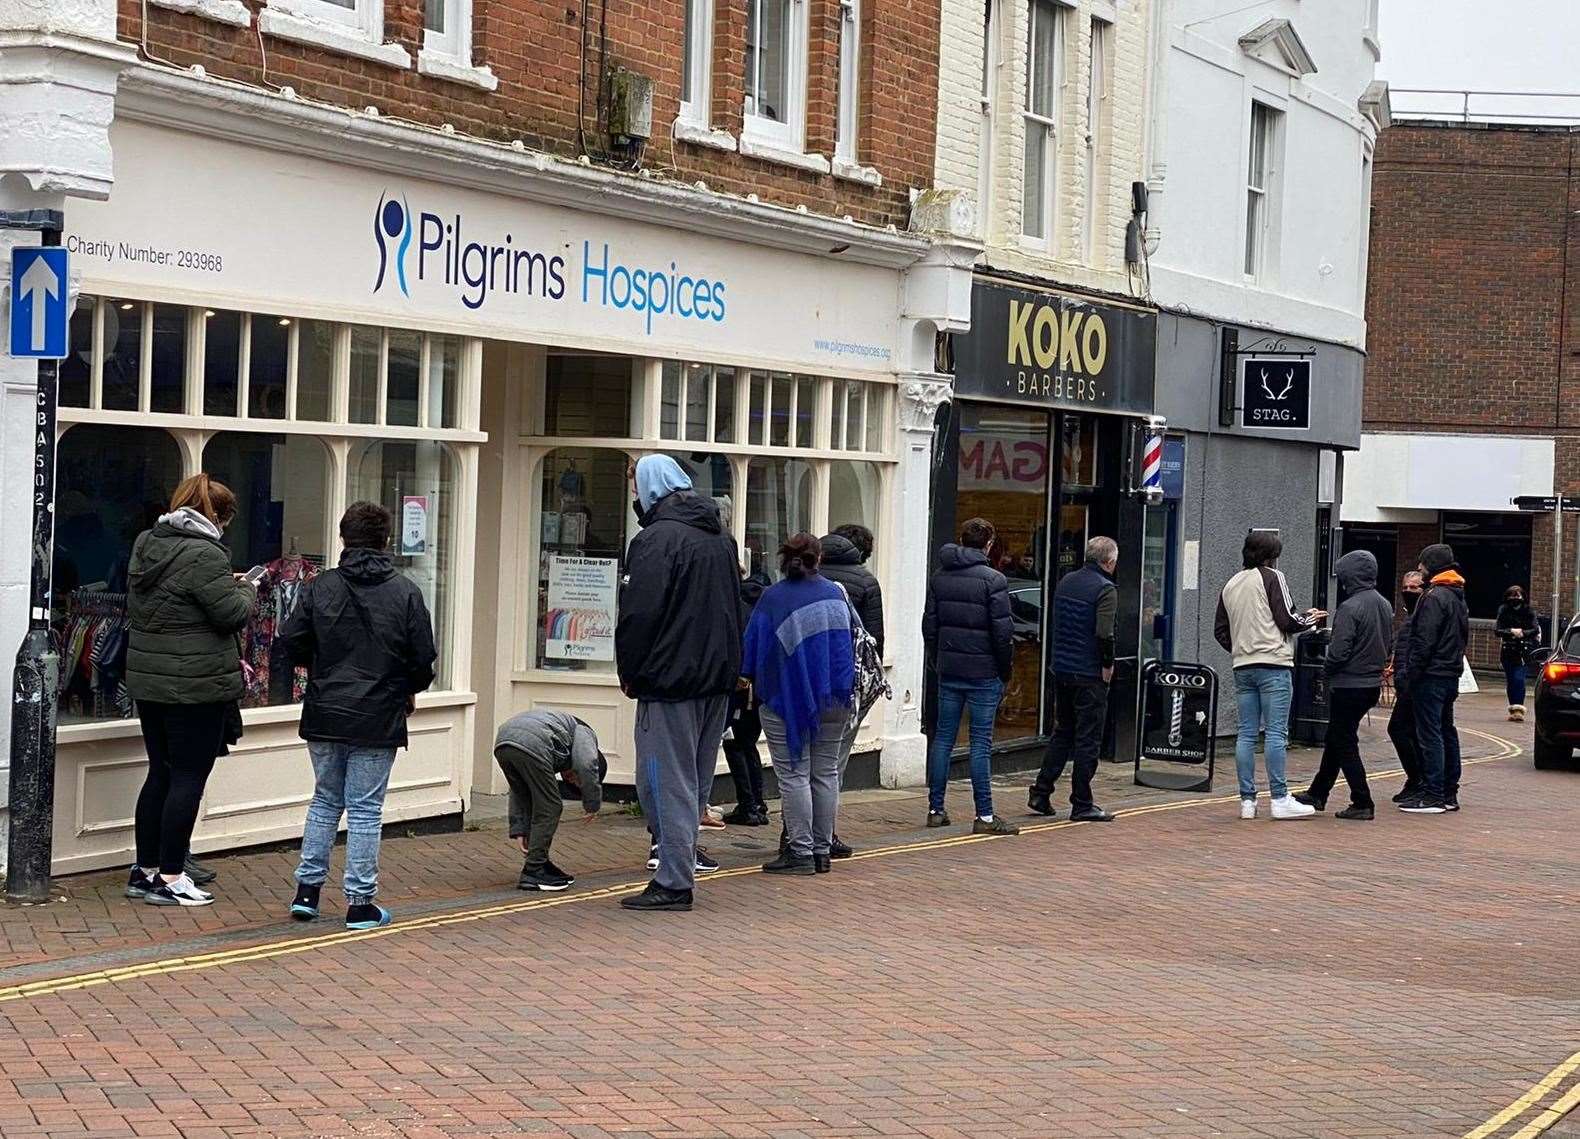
(1551, 1116)
(269, 951)
(1535, 1095)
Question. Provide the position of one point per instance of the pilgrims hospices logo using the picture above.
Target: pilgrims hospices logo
(392, 231)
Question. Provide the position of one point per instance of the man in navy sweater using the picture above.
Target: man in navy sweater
(1084, 606)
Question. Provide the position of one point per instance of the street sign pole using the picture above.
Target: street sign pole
(30, 847)
(1558, 558)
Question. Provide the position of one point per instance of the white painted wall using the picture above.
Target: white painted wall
(1391, 474)
(1198, 157)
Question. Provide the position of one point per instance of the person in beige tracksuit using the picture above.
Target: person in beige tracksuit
(1257, 624)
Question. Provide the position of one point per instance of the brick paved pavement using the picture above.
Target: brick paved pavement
(1177, 973)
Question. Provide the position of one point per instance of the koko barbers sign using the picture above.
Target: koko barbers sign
(1275, 392)
(1056, 350)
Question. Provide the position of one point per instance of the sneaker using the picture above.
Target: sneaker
(652, 857)
(177, 891)
(305, 905)
(1289, 808)
(1363, 814)
(1409, 791)
(657, 898)
(1092, 814)
(1312, 801)
(542, 879)
(138, 884)
(822, 863)
(838, 849)
(1248, 808)
(746, 817)
(705, 864)
(937, 818)
(1451, 804)
(1423, 804)
(367, 915)
(199, 873)
(995, 825)
(558, 872)
(1041, 805)
(791, 864)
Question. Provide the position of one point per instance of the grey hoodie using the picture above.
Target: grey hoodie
(561, 741)
(1362, 627)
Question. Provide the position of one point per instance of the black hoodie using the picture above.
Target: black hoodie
(1362, 626)
(967, 625)
(842, 563)
(679, 632)
(364, 635)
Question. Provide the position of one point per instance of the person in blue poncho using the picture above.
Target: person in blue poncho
(799, 655)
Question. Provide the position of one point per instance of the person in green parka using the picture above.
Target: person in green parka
(183, 668)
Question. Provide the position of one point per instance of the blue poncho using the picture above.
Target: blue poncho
(799, 655)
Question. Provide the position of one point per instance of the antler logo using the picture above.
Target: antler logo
(1289, 385)
(392, 231)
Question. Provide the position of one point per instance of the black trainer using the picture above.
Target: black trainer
(822, 863)
(198, 872)
(1422, 804)
(658, 898)
(1451, 804)
(542, 878)
(705, 862)
(837, 849)
(747, 817)
(1092, 814)
(1409, 791)
(138, 884)
(1362, 814)
(1311, 800)
(788, 863)
(559, 872)
(937, 819)
(305, 906)
(367, 915)
(1041, 805)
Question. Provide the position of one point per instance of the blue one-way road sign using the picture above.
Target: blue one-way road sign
(39, 312)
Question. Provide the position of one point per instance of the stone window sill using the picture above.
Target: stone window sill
(284, 26)
(856, 172)
(699, 135)
(768, 152)
(439, 66)
(232, 12)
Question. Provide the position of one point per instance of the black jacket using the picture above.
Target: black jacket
(679, 632)
(1438, 631)
(842, 563)
(1362, 626)
(1521, 617)
(967, 625)
(364, 635)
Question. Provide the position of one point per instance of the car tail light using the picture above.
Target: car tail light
(1558, 671)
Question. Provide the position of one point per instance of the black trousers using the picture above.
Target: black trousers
(740, 752)
(1080, 712)
(1401, 730)
(1342, 749)
(182, 741)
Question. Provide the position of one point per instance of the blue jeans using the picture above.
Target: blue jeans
(1515, 675)
(1263, 694)
(954, 697)
(350, 780)
(1436, 734)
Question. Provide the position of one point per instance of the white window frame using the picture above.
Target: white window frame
(987, 151)
(447, 54)
(1364, 267)
(698, 110)
(788, 135)
(357, 30)
(1262, 190)
(1097, 94)
(849, 97)
(1047, 123)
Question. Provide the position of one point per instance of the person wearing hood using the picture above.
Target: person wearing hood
(537, 750)
(846, 551)
(1436, 659)
(1401, 721)
(364, 635)
(1521, 635)
(1357, 656)
(183, 668)
(969, 638)
(677, 647)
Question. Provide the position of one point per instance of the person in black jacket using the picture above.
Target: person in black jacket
(969, 638)
(1435, 660)
(745, 728)
(1401, 721)
(1521, 635)
(1357, 657)
(364, 635)
(677, 646)
(845, 555)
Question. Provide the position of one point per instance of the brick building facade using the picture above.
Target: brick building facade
(1474, 355)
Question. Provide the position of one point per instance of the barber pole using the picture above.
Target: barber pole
(1152, 464)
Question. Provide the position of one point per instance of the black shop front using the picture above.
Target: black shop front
(1043, 438)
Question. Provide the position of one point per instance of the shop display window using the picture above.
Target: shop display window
(1494, 552)
(121, 377)
(584, 518)
(403, 378)
(221, 361)
(168, 358)
(443, 371)
(76, 370)
(315, 368)
(778, 504)
(855, 495)
(268, 359)
(591, 396)
(366, 351)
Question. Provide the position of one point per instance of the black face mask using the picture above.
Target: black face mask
(1410, 598)
(636, 508)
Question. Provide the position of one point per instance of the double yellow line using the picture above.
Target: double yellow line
(1531, 1100)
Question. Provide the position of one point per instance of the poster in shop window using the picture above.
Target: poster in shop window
(579, 622)
(413, 525)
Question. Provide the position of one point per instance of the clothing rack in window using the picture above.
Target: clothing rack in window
(92, 643)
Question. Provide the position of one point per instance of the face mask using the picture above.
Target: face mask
(1409, 601)
(636, 508)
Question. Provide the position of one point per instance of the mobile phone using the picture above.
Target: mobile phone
(255, 575)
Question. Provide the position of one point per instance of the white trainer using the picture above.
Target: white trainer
(1248, 808)
(1289, 808)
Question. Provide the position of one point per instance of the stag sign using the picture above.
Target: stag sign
(1275, 392)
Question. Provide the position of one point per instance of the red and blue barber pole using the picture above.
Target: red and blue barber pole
(1152, 465)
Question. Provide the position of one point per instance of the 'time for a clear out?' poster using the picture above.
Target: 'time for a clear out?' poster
(579, 624)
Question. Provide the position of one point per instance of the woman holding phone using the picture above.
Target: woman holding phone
(183, 668)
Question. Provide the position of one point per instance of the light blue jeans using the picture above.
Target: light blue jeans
(1263, 694)
(351, 781)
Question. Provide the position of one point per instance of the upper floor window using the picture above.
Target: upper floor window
(696, 75)
(849, 83)
(1044, 79)
(776, 72)
(1261, 187)
(353, 27)
(1096, 141)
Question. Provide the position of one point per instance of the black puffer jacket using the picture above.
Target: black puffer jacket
(1439, 631)
(967, 625)
(679, 632)
(842, 563)
(364, 635)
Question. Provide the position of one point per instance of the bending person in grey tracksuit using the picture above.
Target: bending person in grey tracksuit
(1357, 655)
(536, 750)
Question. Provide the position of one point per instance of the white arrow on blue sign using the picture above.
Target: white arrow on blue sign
(40, 315)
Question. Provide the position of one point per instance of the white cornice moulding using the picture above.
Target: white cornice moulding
(178, 101)
(284, 26)
(232, 12)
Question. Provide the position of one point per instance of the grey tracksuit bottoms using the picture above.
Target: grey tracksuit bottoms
(809, 783)
(677, 748)
(535, 802)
